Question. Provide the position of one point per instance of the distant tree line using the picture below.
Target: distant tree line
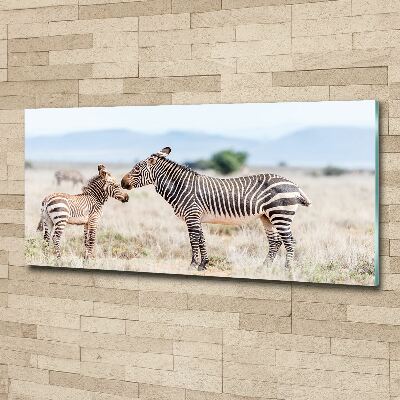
(224, 162)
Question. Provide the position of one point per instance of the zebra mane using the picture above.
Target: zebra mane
(90, 183)
(180, 166)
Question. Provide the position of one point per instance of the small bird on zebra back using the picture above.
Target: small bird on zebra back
(197, 198)
(60, 209)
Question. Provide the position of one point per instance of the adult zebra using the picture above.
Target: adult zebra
(60, 209)
(198, 198)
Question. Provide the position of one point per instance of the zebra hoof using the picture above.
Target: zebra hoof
(202, 266)
(194, 265)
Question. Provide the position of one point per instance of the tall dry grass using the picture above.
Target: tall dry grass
(335, 242)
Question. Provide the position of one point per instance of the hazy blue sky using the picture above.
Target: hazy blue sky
(231, 120)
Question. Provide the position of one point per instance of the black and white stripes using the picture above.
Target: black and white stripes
(198, 198)
(60, 209)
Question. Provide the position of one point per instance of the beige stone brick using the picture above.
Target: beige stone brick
(256, 372)
(252, 388)
(145, 360)
(151, 392)
(266, 323)
(249, 355)
(234, 304)
(117, 280)
(334, 379)
(263, 32)
(11, 130)
(339, 77)
(319, 311)
(340, 59)
(340, 25)
(236, 83)
(173, 84)
(21, 4)
(100, 86)
(359, 92)
(163, 300)
(53, 305)
(165, 53)
(360, 348)
(115, 70)
(394, 129)
(103, 371)
(242, 49)
(28, 30)
(187, 68)
(374, 6)
(28, 374)
(376, 39)
(17, 358)
(315, 393)
(125, 24)
(210, 351)
(58, 364)
(164, 22)
(310, 93)
(202, 365)
(106, 386)
(319, 44)
(57, 100)
(173, 332)
(34, 88)
(124, 100)
(187, 36)
(14, 116)
(187, 379)
(73, 71)
(190, 317)
(22, 344)
(3, 31)
(92, 56)
(120, 311)
(102, 325)
(182, 6)
(41, 14)
(331, 362)
(350, 330)
(39, 317)
(265, 63)
(29, 58)
(262, 15)
(124, 9)
(51, 43)
(36, 391)
(196, 98)
(376, 315)
(394, 73)
(116, 39)
(11, 217)
(323, 9)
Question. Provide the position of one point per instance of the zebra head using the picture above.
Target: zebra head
(111, 187)
(142, 173)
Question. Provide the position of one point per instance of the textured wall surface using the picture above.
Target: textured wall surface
(81, 335)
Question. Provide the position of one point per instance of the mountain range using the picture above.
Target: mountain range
(312, 147)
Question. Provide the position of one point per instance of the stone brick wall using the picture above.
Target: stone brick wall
(81, 335)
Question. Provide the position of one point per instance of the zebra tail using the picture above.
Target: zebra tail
(303, 199)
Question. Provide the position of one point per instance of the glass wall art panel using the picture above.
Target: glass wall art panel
(281, 191)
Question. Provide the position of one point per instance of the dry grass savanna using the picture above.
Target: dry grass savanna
(335, 236)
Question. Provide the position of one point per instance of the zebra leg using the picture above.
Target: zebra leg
(203, 252)
(85, 235)
(56, 236)
(46, 232)
(289, 243)
(274, 241)
(194, 230)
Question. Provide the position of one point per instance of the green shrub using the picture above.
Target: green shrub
(228, 161)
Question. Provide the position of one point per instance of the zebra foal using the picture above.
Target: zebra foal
(60, 209)
(197, 198)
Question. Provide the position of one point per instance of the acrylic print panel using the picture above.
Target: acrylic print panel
(261, 191)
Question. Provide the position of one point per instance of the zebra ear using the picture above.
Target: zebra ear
(164, 152)
(100, 167)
